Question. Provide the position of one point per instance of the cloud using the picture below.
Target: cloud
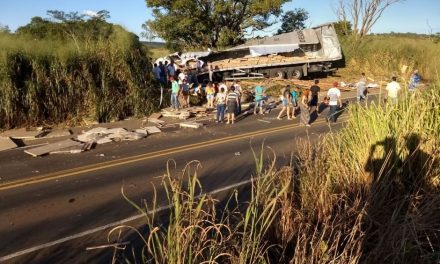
(90, 13)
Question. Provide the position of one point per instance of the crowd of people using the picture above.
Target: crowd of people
(227, 99)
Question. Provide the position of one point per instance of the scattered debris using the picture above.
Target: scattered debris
(97, 130)
(155, 116)
(126, 136)
(152, 130)
(103, 140)
(191, 124)
(156, 121)
(89, 137)
(58, 133)
(39, 151)
(6, 143)
(184, 115)
(118, 130)
(265, 121)
(22, 134)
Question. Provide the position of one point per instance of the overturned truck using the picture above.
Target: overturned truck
(290, 55)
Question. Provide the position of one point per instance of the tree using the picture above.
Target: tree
(147, 33)
(4, 29)
(293, 20)
(343, 28)
(210, 23)
(74, 26)
(362, 14)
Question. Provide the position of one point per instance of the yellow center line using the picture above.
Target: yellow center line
(137, 158)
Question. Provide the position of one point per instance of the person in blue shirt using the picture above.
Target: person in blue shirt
(414, 81)
(259, 98)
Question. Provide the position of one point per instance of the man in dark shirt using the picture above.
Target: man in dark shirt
(315, 89)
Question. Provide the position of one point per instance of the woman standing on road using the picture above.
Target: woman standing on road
(305, 108)
(286, 101)
(175, 92)
(210, 93)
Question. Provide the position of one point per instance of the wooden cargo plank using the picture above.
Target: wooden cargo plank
(39, 151)
(6, 143)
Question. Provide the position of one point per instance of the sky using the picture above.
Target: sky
(418, 16)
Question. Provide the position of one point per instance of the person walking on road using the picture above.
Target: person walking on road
(361, 89)
(334, 95)
(232, 103)
(175, 92)
(393, 89)
(305, 108)
(220, 100)
(286, 102)
(259, 98)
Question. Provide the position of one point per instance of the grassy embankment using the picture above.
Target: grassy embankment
(366, 194)
(385, 55)
(45, 82)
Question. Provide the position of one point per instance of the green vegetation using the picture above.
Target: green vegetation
(293, 20)
(187, 24)
(385, 55)
(71, 70)
(366, 194)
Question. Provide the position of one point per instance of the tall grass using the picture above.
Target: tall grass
(369, 193)
(50, 81)
(383, 56)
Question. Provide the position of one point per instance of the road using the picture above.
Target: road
(52, 208)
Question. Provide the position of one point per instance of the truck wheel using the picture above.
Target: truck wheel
(280, 75)
(297, 74)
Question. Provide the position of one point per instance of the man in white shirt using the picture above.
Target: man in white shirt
(334, 95)
(393, 89)
(182, 76)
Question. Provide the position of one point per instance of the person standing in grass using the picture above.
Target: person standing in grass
(220, 100)
(393, 89)
(232, 103)
(305, 108)
(259, 96)
(334, 95)
(175, 92)
(210, 93)
(414, 81)
(286, 102)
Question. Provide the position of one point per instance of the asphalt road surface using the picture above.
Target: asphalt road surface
(54, 207)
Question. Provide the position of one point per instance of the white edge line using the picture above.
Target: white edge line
(117, 223)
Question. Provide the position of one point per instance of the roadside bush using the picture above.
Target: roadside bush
(50, 82)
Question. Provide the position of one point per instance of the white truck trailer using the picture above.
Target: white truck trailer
(290, 55)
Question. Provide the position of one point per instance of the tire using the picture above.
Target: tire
(280, 75)
(297, 74)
